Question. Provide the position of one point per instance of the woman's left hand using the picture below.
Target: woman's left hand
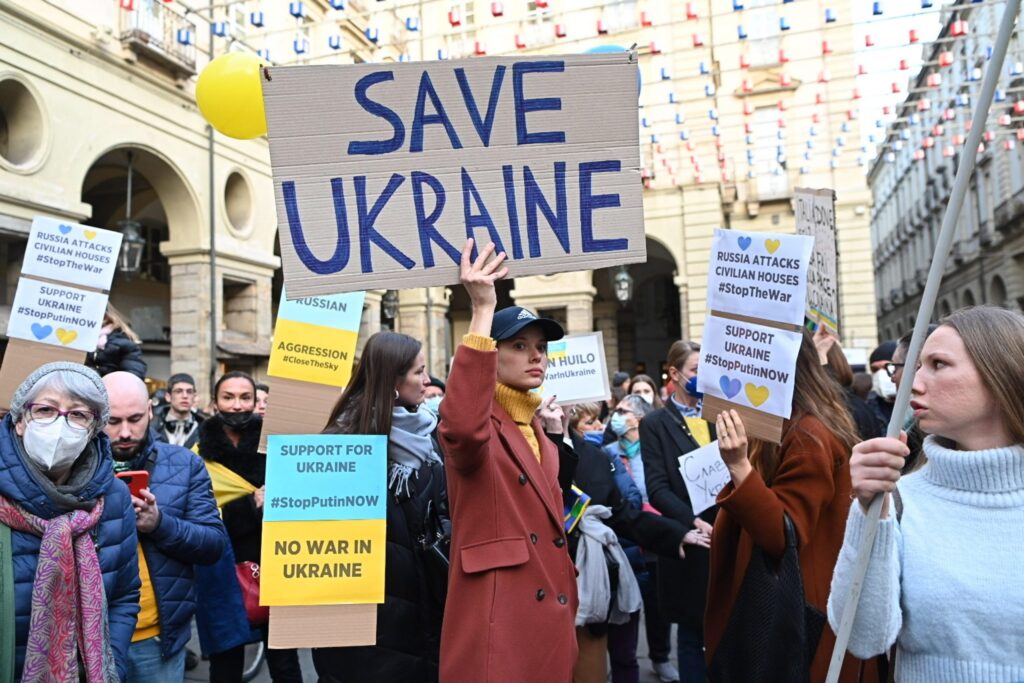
(732, 438)
(552, 417)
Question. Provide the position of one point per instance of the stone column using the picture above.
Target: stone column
(580, 313)
(422, 315)
(190, 323)
(684, 308)
(370, 324)
(606, 322)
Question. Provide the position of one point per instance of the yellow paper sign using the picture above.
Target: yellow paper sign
(312, 353)
(323, 563)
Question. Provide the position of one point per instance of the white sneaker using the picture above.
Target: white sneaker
(665, 671)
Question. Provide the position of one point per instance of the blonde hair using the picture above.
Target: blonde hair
(115, 318)
(581, 410)
(994, 339)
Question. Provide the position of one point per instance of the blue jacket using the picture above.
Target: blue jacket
(189, 532)
(114, 535)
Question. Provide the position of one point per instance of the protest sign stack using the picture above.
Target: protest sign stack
(61, 298)
(310, 362)
(816, 216)
(324, 531)
(757, 290)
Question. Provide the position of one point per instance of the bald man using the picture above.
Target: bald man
(178, 527)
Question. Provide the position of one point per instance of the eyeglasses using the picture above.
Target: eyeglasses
(891, 368)
(46, 414)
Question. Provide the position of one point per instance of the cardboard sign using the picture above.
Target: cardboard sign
(319, 477)
(749, 364)
(816, 216)
(70, 252)
(57, 315)
(577, 372)
(705, 475)
(324, 525)
(381, 171)
(315, 338)
(761, 275)
(323, 563)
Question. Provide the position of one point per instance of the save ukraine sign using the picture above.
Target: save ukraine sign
(382, 175)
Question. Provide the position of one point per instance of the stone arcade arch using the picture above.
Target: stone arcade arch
(167, 209)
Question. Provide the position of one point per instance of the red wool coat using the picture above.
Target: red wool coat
(512, 586)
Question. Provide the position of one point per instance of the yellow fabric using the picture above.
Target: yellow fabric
(521, 406)
(479, 342)
(148, 624)
(700, 430)
(227, 485)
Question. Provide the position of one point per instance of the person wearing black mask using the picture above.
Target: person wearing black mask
(231, 438)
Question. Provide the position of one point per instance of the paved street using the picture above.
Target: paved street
(200, 674)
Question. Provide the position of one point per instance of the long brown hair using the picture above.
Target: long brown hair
(116, 318)
(366, 405)
(646, 379)
(994, 339)
(817, 394)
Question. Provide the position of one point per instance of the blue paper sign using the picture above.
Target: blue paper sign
(339, 311)
(323, 477)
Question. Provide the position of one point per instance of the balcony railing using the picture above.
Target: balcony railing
(154, 31)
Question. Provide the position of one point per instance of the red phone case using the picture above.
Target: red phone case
(135, 480)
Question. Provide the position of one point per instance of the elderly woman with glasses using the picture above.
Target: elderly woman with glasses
(67, 534)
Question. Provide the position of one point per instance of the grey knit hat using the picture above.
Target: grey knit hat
(23, 391)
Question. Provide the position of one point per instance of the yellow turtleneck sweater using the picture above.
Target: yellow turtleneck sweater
(520, 405)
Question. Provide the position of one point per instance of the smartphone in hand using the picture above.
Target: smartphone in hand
(136, 480)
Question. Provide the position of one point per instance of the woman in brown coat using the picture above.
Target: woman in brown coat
(512, 586)
(806, 477)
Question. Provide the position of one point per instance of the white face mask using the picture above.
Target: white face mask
(433, 404)
(883, 385)
(55, 446)
(648, 398)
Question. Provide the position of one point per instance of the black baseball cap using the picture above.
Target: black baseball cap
(508, 321)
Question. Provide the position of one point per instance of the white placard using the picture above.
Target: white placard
(816, 216)
(381, 171)
(705, 475)
(57, 315)
(79, 254)
(752, 365)
(576, 369)
(761, 275)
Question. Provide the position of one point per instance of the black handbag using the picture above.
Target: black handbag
(772, 633)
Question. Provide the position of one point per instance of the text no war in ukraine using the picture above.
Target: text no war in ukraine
(385, 170)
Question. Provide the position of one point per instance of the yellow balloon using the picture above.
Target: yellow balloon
(230, 95)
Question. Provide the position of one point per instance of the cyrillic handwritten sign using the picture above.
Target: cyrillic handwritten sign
(816, 216)
(381, 171)
(705, 475)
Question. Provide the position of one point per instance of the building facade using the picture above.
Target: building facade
(738, 105)
(912, 179)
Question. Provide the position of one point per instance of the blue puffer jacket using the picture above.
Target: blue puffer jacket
(114, 536)
(189, 532)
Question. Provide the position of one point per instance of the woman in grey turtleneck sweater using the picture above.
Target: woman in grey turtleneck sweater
(945, 581)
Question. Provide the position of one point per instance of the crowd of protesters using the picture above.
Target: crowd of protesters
(527, 540)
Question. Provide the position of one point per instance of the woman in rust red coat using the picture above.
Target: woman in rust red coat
(806, 477)
(512, 587)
